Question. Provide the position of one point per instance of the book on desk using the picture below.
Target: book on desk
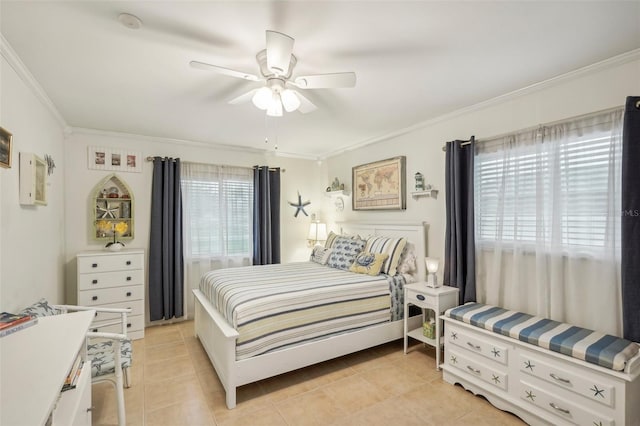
(11, 323)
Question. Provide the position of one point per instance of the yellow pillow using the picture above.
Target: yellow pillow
(368, 263)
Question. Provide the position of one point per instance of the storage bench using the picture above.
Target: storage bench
(543, 371)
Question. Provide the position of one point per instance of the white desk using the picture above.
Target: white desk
(34, 363)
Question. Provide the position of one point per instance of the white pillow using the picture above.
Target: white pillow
(320, 255)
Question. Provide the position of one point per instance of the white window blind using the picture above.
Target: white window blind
(553, 185)
(219, 205)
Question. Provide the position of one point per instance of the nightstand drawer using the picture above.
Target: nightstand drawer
(109, 279)
(418, 297)
(477, 369)
(485, 347)
(110, 295)
(111, 262)
(562, 408)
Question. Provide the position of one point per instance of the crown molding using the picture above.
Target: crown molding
(183, 142)
(25, 75)
(554, 81)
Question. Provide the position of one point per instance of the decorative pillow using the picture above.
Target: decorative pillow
(320, 255)
(407, 264)
(391, 246)
(344, 252)
(330, 239)
(368, 263)
(40, 309)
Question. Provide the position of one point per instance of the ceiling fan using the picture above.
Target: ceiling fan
(276, 67)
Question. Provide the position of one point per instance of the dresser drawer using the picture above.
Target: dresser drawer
(581, 382)
(110, 295)
(137, 308)
(477, 369)
(481, 345)
(111, 262)
(134, 323)
(109, 279)
(565, 409)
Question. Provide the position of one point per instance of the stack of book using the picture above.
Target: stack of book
(74, 374)
(10, 323)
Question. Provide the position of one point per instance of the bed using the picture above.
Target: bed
(247, 358)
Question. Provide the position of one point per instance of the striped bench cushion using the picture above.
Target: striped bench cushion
(588, 345)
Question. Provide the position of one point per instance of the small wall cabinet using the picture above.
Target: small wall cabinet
(33, 180)
(111, 203)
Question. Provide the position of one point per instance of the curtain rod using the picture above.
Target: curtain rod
(271, 168)
(552, 123)
(219, 165)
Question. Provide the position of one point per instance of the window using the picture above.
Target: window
(218, 208)
(557, 185)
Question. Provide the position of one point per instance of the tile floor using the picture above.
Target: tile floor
(174, 384)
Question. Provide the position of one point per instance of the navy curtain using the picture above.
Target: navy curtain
(266, 215)
(166, 272)
(460, 255)
(631, 220)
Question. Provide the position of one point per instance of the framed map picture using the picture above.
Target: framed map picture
(380, 185)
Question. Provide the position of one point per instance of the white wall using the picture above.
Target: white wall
(299, 175)
(32, 238)
(595, 88)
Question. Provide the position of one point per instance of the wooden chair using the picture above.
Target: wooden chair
(110, 353)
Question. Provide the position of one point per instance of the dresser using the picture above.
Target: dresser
(34, 363)
(113, 280)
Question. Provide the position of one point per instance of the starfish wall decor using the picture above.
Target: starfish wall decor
(299, 206)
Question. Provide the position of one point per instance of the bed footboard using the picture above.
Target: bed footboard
(219, 341)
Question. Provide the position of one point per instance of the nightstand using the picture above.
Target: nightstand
(437, 300)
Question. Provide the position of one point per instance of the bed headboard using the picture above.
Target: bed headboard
(415, 233)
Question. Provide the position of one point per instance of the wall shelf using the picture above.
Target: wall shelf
(112, 201)
(338, 193)
(432, 193)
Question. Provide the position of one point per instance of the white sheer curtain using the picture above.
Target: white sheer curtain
(548, 221)
(218, 219)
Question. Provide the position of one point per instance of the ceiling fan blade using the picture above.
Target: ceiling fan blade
(326, 81)
(279, 49)
(306, 106)
(224, 71)
(246, 97)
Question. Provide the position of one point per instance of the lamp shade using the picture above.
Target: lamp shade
(290, 101)
(317, 231)
(275, 107)
(432, 264)
(262, 98)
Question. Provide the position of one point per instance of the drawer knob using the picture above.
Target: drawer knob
(94, 282)
(419, 297)
(128, 262)
(128, 278)
(94, 265)
(129, 325)
(94, 298)
(472, 346)
(557, 408)
(473, 370)
(560, 379)
(95, 330)
(128, 293)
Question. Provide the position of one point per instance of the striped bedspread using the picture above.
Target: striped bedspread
(275, 306)
(591, 346)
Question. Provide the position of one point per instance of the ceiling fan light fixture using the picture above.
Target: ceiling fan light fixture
(290, 100)
(275, 108)
(262, 98)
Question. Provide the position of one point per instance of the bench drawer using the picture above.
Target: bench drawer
(488, 348)
(477, 369)
(562, 408)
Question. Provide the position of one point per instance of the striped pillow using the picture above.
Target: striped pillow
(331, 239)
(391, 246)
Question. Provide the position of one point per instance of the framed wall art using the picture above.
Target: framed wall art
(5, 148)
(99, 158)
(380, 185)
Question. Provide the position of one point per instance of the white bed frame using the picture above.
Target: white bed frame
(219, 338)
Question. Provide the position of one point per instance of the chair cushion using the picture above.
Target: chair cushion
(40, 309)
(102, 356)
